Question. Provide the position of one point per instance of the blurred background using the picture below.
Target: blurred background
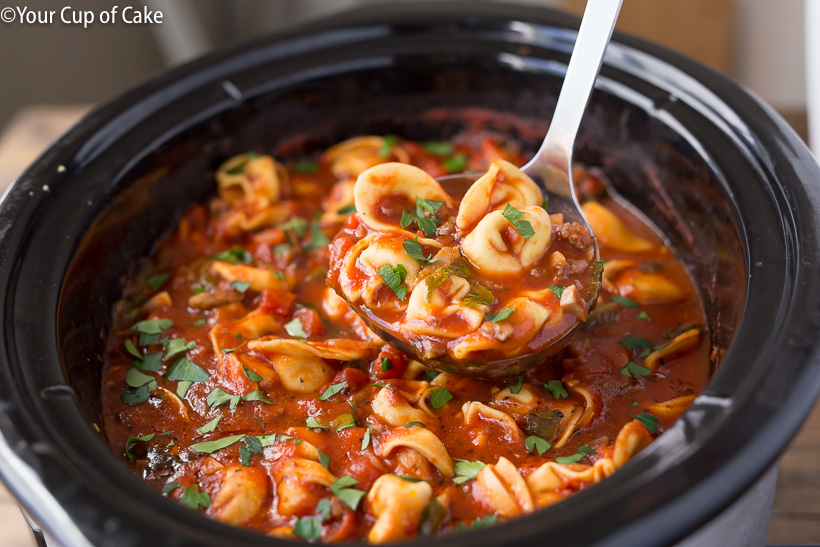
(52, 74)
(758, 42)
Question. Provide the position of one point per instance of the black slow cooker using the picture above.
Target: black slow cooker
(716, 170)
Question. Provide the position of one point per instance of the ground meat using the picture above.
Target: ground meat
(575, 234)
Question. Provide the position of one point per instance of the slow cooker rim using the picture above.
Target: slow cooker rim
(50, 159)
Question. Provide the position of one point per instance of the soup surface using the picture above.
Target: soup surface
(239, 384)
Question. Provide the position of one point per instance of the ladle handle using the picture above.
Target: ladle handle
(587, 55)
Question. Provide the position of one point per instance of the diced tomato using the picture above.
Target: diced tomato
(276, 302)
(355, 378)
(311, 322)
(397, 361)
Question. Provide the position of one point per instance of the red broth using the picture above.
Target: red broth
(237, 383)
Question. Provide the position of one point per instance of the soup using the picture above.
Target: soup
(238, 383)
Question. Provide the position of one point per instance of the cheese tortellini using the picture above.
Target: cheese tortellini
(467, 280)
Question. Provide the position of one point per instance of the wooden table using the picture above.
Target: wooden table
(796, 510)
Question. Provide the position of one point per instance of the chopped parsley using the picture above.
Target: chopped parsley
(649, 421)
(466, 470)
(182, 389)
(136, 379)
(306, 167)
(131, 440)
(479, 295)
(231, 350)
(295, 329)
(312, 423)
(235, 256)
(438, 148)
(394, 278)
(387, 364)
(349, 210)
(184, 370)
(332, 390)
(240, 286)
(388, 142)
(414, 250)
(209, 447)
(523, 227)
(635, 342)
(515, 389)
(624, 301)
(634, 370)
(556, 389)
(252, 376)
(414, 423)
(439, 397)
(153, 326)
(366, 440)
(477, 524)
(537, 444)
(210, 427)
(130, 348)
(643, 316)
(499, 316)
(175, 346)
(455, 163)
(318, 239)
(558, 290)
(308, 528)
(170, 487)
(156, 281)
(138, 395)
(324, 459)
(245, 455)
(192, 498)
(342, 487)
(426, 224)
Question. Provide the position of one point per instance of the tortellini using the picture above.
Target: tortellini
(467, 281)
(502, 184)
(397, 505)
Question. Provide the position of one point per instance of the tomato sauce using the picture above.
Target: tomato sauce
(239, 384)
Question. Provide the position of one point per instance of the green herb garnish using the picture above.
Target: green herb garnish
(156, 281)
(210, 427)
(153, 326)
(624, 301)
(312, 423)
(209, 447)
(558, 290)
(350, 496)
(187, 371)
(455, 163)
(635, 342)
(499, 316)
(294, 328)
(634, 370)
(537, 444)
(131, 440)
(393, 277)
(649, 421)
(438, 148)
(235, 256)
(556, 389)
(479, 295)
(523, 227)
(332, 390)
(439, 397)
(466, 470)
(414, 250)
(192, 498)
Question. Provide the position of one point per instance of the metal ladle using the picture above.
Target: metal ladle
(551, 168)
